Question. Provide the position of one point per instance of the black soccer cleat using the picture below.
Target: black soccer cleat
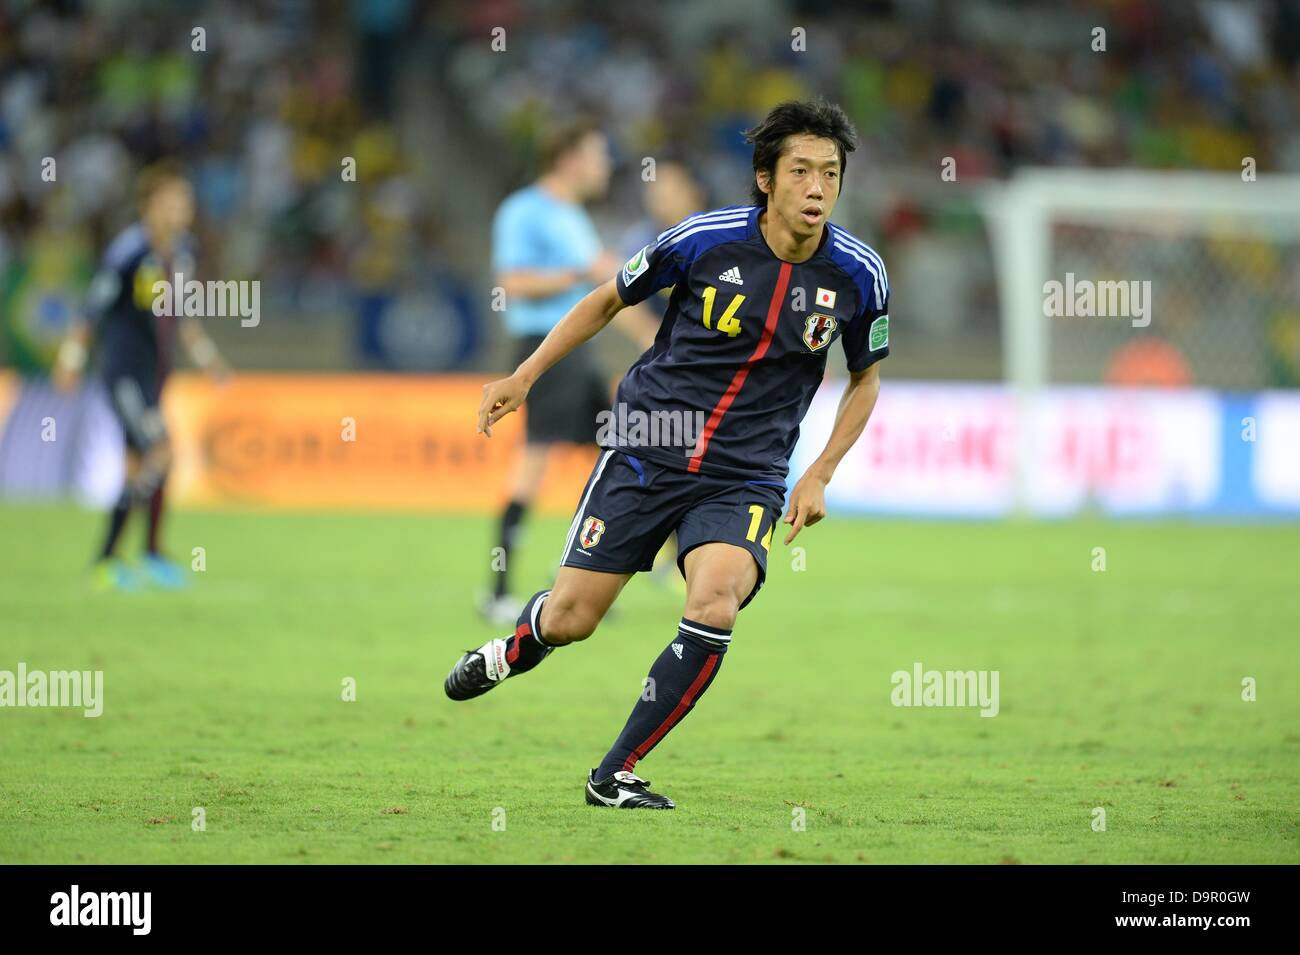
(624, 790)
(473, 675)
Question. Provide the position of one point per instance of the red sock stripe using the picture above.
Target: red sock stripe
(676, 715)
(738, 379)
(155, 519)
(522, 632)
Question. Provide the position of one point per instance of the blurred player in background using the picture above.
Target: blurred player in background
(673, 194)
(670, 196)
(760, 293)
(547, 256)
(134, 349)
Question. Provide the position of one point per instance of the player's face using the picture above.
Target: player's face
(170, 210)
(807, 183)
(672, 195)
(592, 165)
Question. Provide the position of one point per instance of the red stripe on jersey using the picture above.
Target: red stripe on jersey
(774, 311)
(675, 717)
(738, 379)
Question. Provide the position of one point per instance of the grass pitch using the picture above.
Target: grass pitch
(1119, 690)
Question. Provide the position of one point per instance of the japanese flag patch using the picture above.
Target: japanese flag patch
(825, 298)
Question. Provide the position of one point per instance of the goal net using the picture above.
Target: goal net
(1150, 322)
(1203, 269)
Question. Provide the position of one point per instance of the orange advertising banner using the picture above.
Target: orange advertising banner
(351, 442)
(9, 393)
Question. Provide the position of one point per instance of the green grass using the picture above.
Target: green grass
(1119, 690)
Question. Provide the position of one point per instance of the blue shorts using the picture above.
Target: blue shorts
(136, 401)
(631, 505)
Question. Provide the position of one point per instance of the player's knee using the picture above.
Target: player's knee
(713, 607)
(567, 620)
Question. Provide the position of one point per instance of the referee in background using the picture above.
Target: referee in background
(546, 256)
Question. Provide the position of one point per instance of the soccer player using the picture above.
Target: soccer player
(547, 256)
(134, 348)
(760, 293)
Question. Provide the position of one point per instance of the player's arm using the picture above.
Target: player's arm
(202, 349)
(537, 283)
(808, 499)
(638, 324)
(71, 358)
(105, 289)
(596, 310)
(543, 283)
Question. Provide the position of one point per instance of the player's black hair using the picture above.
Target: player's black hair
(792, 118)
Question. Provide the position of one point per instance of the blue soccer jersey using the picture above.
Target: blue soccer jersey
(129, 338)
(743, 343)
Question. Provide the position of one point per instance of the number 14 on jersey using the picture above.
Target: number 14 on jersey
(727, 322)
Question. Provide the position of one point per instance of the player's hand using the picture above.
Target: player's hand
(499, 399)
(807, 505)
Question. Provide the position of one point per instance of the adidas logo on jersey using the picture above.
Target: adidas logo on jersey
(731, 275)
(677, 649)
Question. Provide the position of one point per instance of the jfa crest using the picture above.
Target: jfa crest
(817, 330)
(592, 528)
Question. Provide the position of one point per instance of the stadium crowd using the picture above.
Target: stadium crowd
(279, 91)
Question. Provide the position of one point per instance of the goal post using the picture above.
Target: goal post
(1212, 261)
(1027, 216)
